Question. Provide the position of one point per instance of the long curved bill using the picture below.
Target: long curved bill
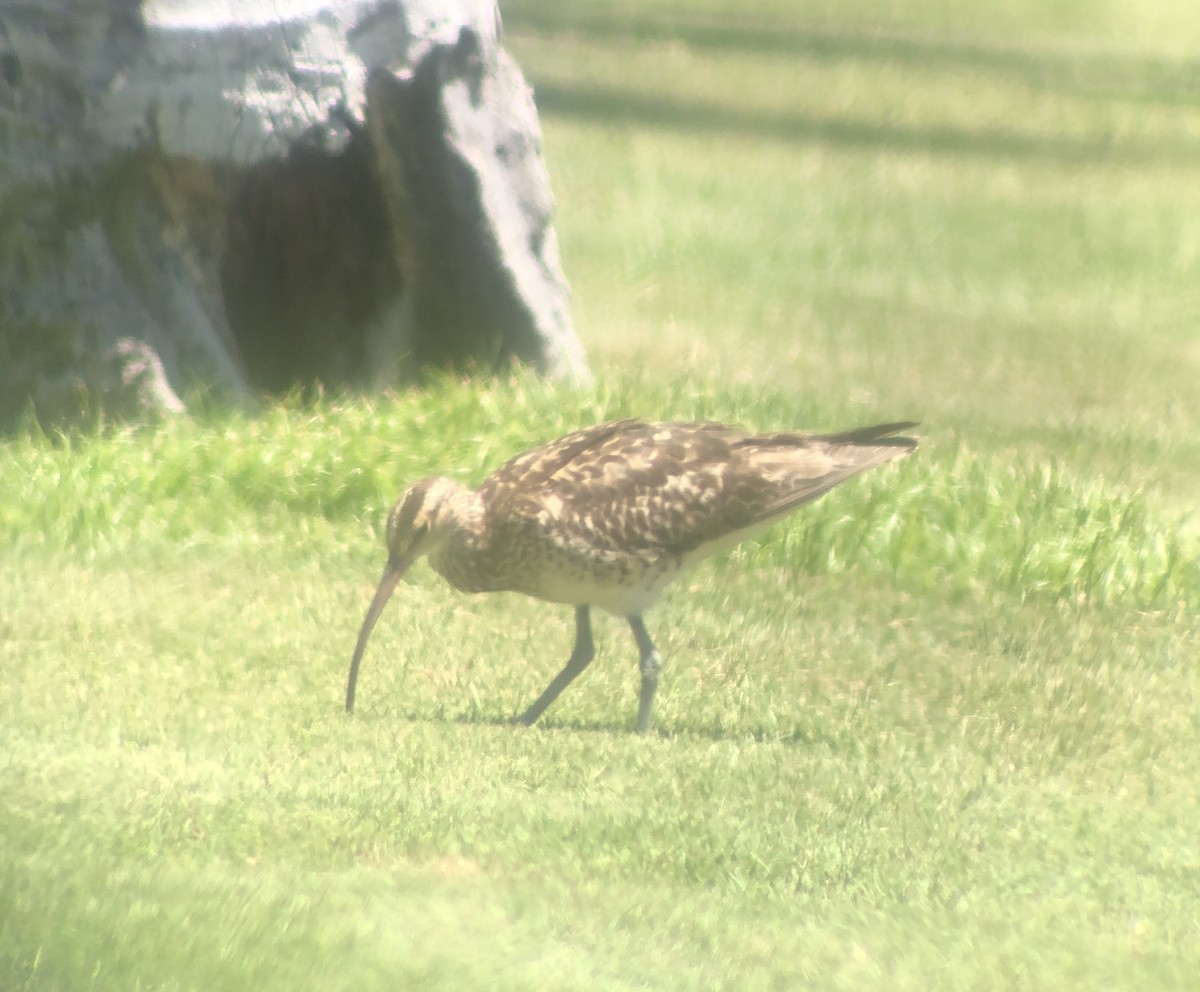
(391, 575)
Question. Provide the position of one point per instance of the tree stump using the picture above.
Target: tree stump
(266, 195)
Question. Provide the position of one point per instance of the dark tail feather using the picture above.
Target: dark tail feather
(880, 434)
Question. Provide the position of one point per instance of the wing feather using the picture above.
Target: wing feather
(652, 489)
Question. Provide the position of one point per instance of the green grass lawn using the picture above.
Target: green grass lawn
(939, 731)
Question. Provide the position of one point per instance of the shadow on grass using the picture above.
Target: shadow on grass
(616, 106)
(509, 721)
(1101, 77)
(797, 736)
(1107, 74)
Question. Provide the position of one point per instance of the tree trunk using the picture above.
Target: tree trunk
(270, 197)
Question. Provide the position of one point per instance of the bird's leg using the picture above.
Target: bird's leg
(581, 654)
(650, 664)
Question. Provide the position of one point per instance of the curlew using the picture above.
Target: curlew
(608, 516)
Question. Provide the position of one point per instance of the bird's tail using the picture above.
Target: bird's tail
(879, 434)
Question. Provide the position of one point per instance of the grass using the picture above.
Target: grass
(988, 228)
(937, 732)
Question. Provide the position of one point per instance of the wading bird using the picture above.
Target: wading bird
(608, 516)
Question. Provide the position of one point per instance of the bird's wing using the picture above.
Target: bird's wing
(528, 471)
(630, 486)
(672, 488)
(798, 468)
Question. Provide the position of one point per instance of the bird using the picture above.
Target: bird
(609, 515)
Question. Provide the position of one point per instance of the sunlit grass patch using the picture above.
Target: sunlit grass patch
(950, 518)
(962, 523)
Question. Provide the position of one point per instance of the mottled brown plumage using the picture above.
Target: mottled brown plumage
(609, 515)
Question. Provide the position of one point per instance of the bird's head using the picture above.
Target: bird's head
(419, 523)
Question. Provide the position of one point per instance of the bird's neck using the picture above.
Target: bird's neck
(463, 541)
